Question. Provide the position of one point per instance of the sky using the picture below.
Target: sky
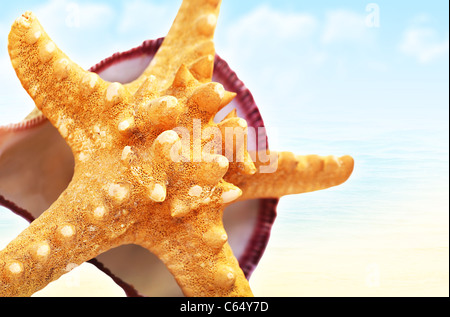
(387, 63)
(330, 46)
(364, 78)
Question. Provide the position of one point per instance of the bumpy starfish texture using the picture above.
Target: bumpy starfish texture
(139, 177)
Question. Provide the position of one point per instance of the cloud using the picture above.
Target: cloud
(345, 26)
(68, 14)
(423, 44)
(296, 46)
(266, 34)
(267, 22)
(146, 19)
(266, 27)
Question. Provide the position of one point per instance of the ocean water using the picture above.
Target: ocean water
(384, 232)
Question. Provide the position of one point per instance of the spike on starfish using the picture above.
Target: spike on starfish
(132, 182)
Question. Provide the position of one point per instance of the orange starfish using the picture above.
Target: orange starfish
(139, 177)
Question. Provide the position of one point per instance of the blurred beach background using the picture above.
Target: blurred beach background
(368, 79)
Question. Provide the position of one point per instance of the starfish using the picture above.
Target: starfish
(139, 177)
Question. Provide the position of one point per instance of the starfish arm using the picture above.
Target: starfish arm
(75, 229)
(60, 88)
(196, 252)
(288, 174)
(189, 42)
